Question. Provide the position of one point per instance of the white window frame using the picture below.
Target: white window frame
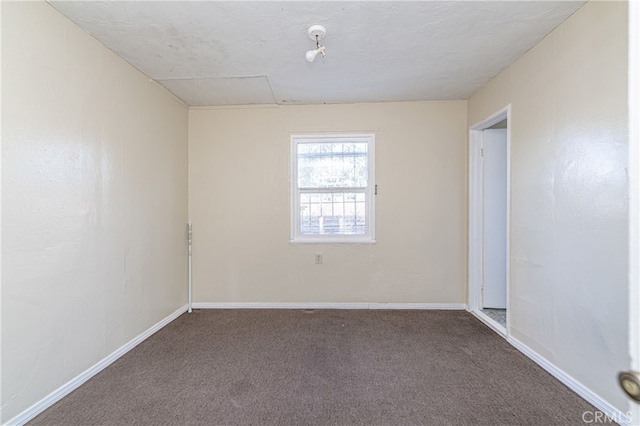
(369, 236)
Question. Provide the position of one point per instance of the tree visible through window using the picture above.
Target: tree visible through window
(332, 197)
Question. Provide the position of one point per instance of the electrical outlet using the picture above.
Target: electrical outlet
(318, 258)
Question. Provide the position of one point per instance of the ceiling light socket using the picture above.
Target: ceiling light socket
(316, 30)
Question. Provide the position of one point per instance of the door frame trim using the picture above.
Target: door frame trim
(475, 231)
(634, 198)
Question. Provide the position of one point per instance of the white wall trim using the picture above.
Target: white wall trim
(475, 214)
(474, 254)
(634, 190)
(74, 383)
(571, 383)
(262, 305)
(267, 305)
(420, 306)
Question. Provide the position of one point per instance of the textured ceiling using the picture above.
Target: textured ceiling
(228, 53)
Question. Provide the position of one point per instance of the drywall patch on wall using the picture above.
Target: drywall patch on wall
(241, 90)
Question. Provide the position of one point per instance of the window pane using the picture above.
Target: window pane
(336, 213)
(336, 165)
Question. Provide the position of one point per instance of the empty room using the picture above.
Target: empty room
(346, 213)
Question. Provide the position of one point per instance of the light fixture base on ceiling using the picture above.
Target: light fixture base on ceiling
(316, 30)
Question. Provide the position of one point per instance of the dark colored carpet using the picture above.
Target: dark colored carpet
(339, 367)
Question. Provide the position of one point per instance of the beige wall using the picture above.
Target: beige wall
(569, 232)
(240, 207)
(94, 203)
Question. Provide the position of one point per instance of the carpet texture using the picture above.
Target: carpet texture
(324, 367)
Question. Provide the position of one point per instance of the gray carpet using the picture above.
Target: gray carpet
(339, 367)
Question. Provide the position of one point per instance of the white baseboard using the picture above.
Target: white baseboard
(258, 305)
(584, 392)
(420, 306)
(74, 383)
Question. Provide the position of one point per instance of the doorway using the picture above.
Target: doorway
(489, 221)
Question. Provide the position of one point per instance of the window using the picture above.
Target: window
(332, 189)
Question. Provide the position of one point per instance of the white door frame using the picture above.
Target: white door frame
(634, 196)
(476, 197)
